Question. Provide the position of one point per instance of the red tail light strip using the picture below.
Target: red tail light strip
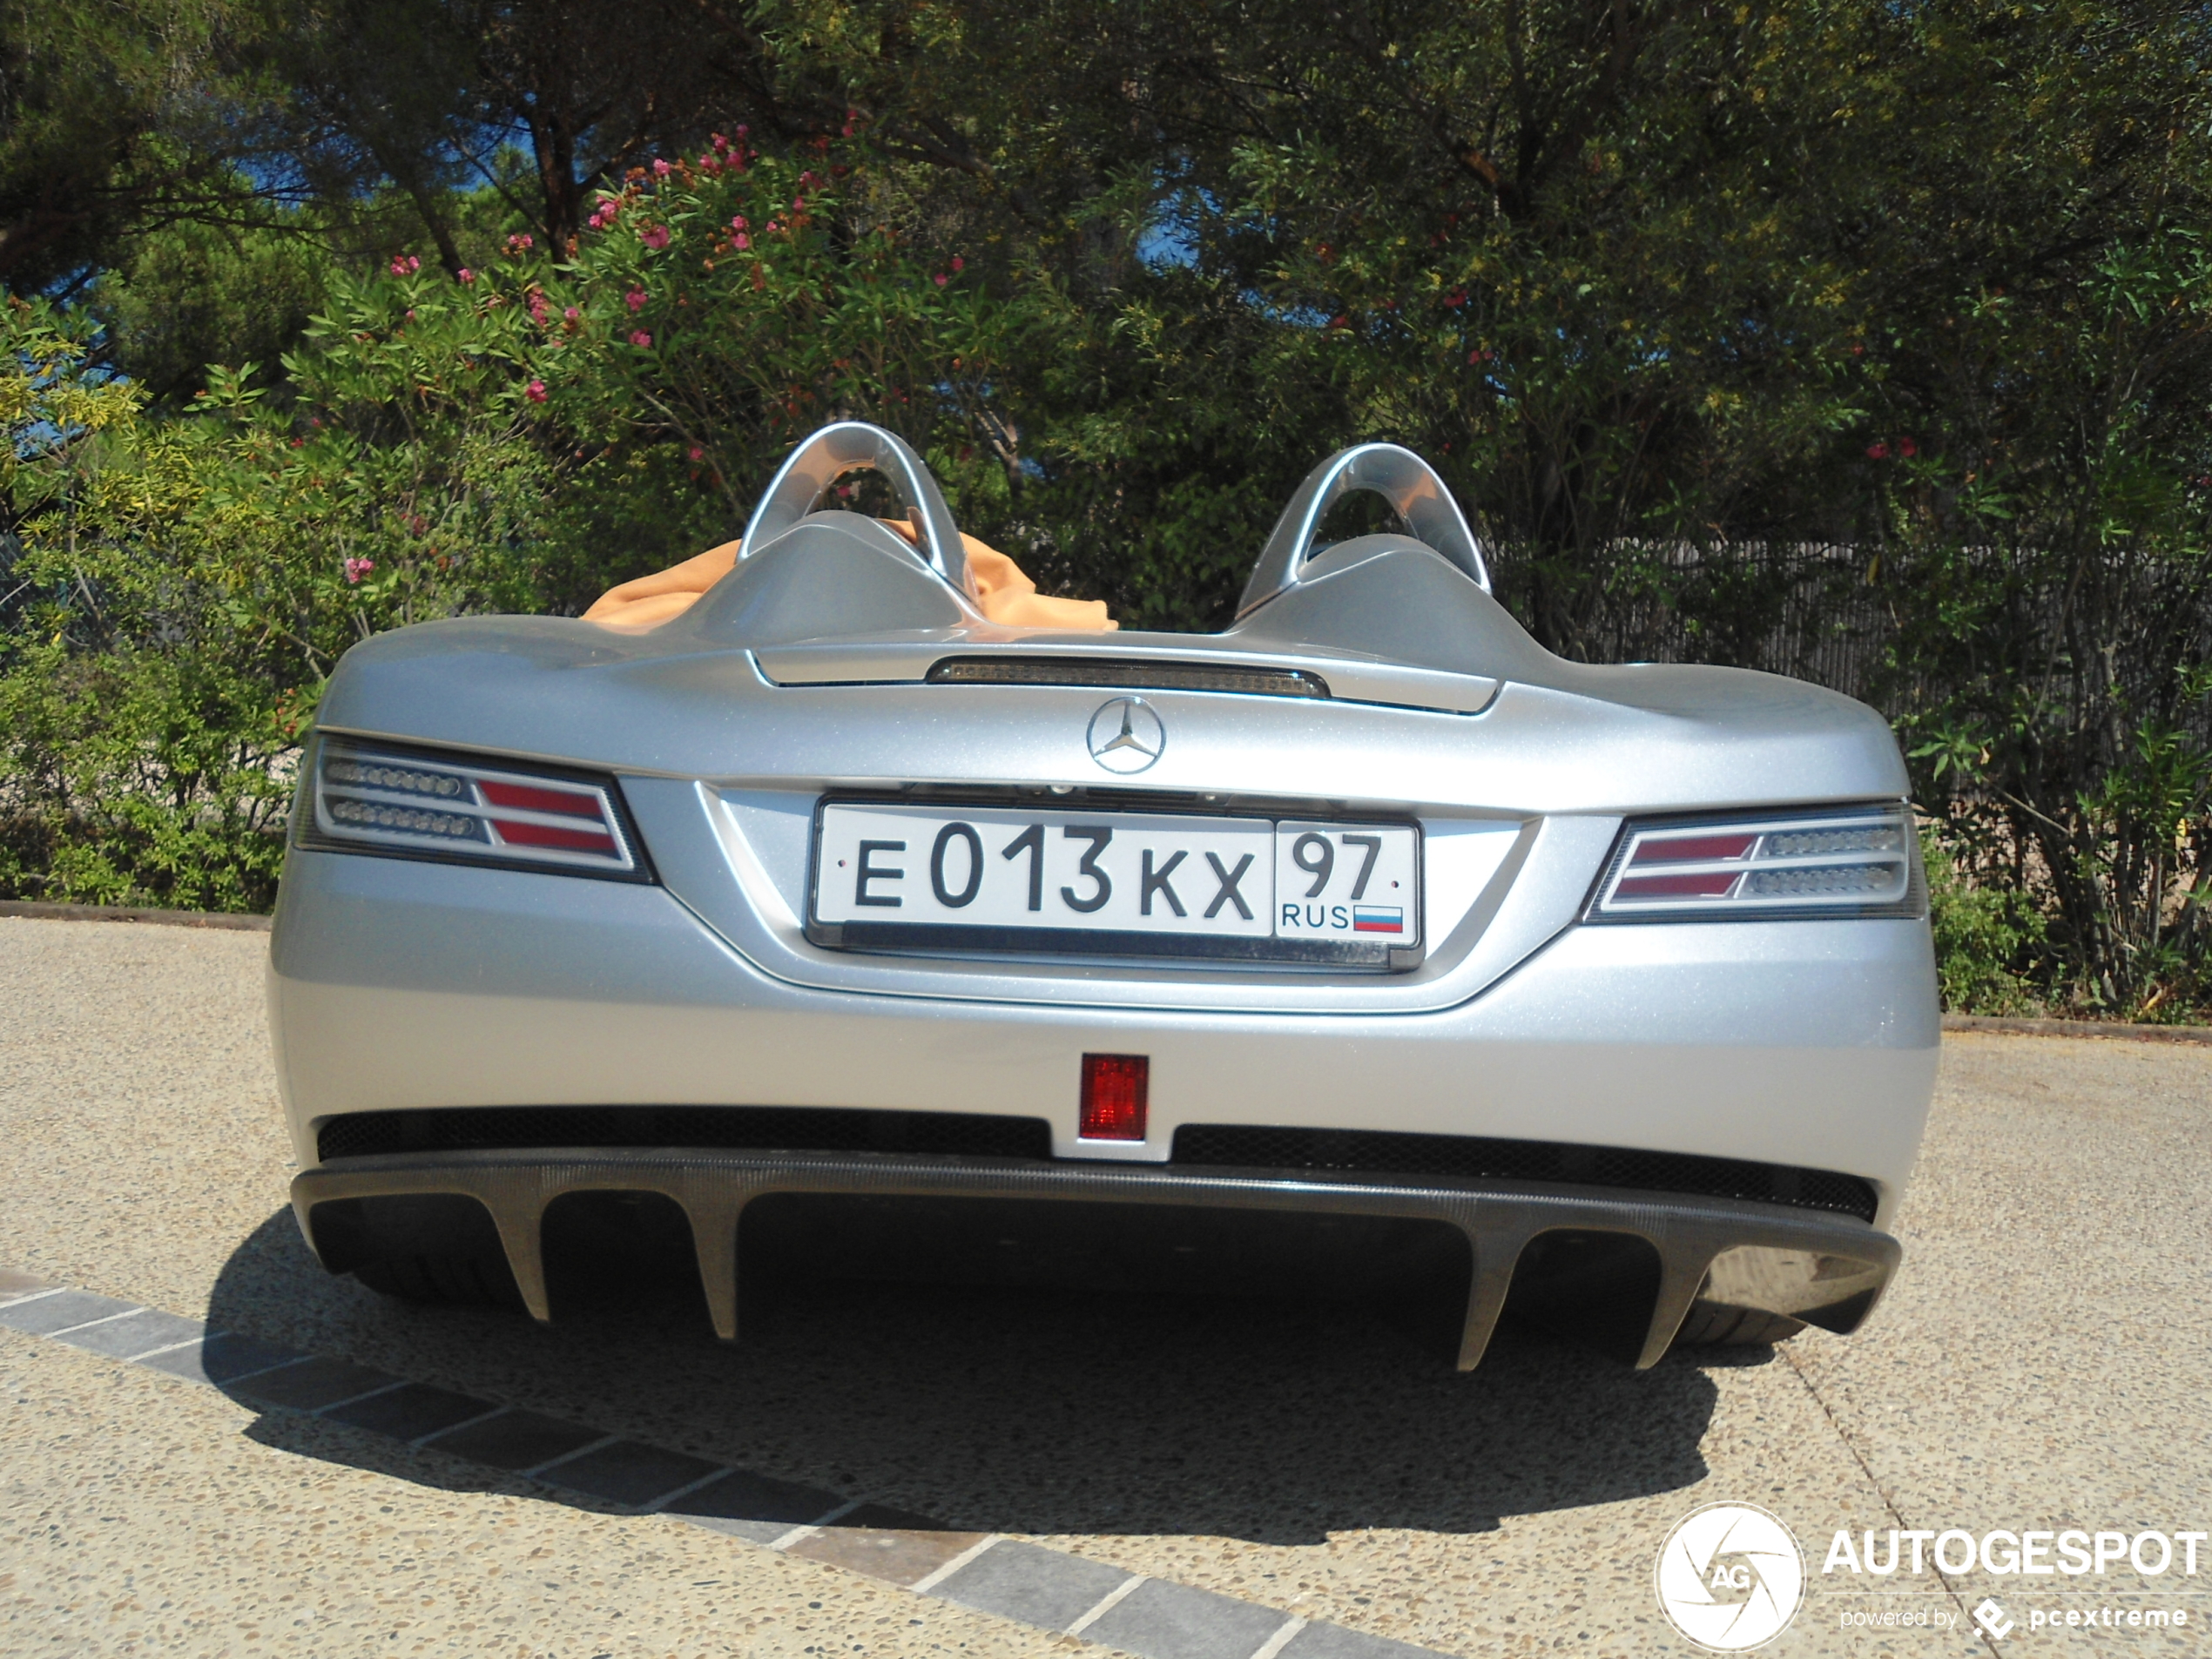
(530, 800)
(516, 833)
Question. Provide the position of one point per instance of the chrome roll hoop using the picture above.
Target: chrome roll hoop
(858, 446)
(1400, 477)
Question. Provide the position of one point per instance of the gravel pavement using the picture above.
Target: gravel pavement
(2039, 1365)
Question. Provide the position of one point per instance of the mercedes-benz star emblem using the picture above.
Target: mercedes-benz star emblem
(1126, 736)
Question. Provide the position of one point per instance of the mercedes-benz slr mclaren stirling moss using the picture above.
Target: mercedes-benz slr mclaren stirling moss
(1367, 908)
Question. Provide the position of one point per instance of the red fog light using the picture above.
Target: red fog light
(1113, 1091)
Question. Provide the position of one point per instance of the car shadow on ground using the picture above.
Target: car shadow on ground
(1058, 1406)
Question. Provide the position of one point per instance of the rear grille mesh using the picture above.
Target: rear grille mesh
(785, 1128)
(1125, 672)
(1468, 1158)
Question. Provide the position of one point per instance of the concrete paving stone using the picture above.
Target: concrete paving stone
(884, 1517)
(754, 1507)
(894, 1553)
(411, 1412)
(137, 1334)
(315, 1383)
(14, 1282)
(1039, 1586)
(516, 1440)
(51, 1313)
(1334, 1641)
(628, 1472)
(217, 1360)
(1159, 1620)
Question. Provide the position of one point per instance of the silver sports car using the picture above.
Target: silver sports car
(1366, 908)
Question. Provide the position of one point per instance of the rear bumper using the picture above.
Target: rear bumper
(397, 987)
(1826, 1271)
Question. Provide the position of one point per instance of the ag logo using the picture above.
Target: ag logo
(1730, 1577)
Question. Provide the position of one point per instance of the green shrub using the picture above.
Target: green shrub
(1986, 939)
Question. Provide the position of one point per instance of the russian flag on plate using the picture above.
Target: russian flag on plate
(1378, 919)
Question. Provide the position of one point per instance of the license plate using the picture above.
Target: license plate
(1121, 884)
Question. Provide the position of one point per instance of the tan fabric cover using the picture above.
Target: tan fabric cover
(1002, 592)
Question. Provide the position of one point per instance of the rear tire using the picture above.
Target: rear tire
(472, 1280)
(1716, 1325)
(440, 1249)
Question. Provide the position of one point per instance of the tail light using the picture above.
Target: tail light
(429, 804)
(1113, 1107)
(1847, 861)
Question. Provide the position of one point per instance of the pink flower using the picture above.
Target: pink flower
(635, 299)
(654, 236)
(642, 340)
(571, 315)
(1906, 447)
(738, 223)
(942, 278)
(741, 241)
(405, 264)
(661, 167)
(1877, 452)
(356, 569)
(798, 203)
(466, 274)
(959, 264)
(534, 391)
(742, 130)
(519, 241)
(697, 452)
(719, 140)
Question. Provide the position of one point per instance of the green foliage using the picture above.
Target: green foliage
(1989, 942)
(2050, 680)
(191, 295)
(112, 116)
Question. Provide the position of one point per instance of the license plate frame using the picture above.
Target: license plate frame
(1192, 947)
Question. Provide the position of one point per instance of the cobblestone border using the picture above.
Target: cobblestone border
(987, 1572)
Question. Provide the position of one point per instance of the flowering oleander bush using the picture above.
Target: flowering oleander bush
(516, 437)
